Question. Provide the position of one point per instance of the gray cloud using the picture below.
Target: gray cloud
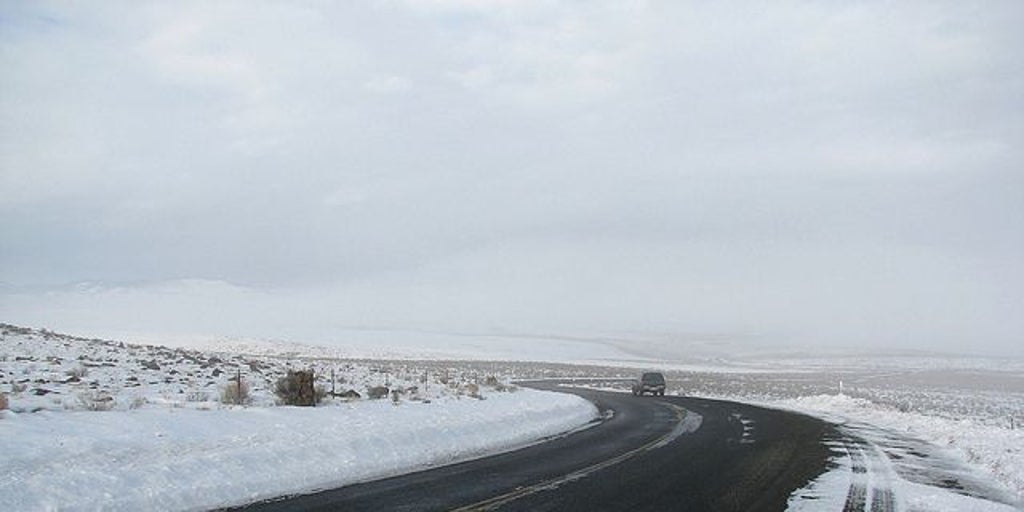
(829, 174)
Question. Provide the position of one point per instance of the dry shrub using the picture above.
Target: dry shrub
(96, 401)
(78, 372)
(493, 382)
(377, 392)
(236, 392)
(137, 402)
(3, 401)
(197, 396)
(296, 388)
(472, 390)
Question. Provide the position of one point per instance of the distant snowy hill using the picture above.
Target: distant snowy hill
(200, 314)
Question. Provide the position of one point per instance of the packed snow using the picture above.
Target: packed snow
(95, 424)
(987, 449)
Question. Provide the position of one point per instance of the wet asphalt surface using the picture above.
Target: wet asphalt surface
(649, 454)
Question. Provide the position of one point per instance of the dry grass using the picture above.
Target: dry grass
(96, 401)
(471, 389)
(236, 393)
(79, 372)
(137, 402)
(497, 385)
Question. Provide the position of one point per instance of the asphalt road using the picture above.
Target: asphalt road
(657, 454)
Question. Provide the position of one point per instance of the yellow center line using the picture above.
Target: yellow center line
(498, 501)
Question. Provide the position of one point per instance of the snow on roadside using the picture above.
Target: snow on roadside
(983, 449)
(184, 459)
(97, 424)
(829, 492)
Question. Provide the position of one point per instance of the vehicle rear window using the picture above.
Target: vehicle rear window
(653, 378)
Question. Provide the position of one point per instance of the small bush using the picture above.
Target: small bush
(377, 392)
(197, 396)
(3, 401)
(236, 392)
(296, 388)
(96, 401)
(78, 372)
(493, 382)
(137, 402)
(472, 390)
(350, 395)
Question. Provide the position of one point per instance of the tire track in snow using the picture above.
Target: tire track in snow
(871, 474)
(856, 497)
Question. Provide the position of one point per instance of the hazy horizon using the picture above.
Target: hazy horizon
(840, 177)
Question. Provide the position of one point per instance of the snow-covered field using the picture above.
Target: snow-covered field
(96, 424)
(937, 431)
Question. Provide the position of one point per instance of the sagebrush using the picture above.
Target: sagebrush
(296, 388)
(78, 372)
(236, 392)
(92, 401)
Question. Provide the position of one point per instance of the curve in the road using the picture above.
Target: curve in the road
(686, 422)
(670, 453)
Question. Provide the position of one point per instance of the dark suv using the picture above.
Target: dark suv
(650, 382)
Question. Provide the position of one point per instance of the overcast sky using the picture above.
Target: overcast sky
(841, 174)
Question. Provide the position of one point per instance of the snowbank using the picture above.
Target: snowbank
(990, 449)
(185, 459)
(829, 492)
